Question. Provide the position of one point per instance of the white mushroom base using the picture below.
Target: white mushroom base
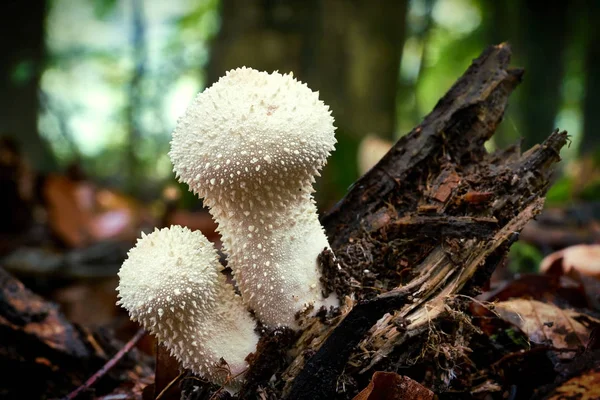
(274, 260)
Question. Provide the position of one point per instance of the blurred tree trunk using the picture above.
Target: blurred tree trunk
(359, 45)
(263, 34)
(541, 41)
(349, 50)
(21, 65)
(537, 32)
(134, 108)
(590, 143)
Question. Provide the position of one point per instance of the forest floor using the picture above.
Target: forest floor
(430, 307)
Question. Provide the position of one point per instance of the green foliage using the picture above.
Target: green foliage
(524, 257)
(23, 72)
(340, 170)
(443, 38)
(102, 8)
(518, 338)
(591, 192)
(560, 192)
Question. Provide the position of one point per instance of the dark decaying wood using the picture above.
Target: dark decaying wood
(453, 134)
(42, 355)
(473, 205)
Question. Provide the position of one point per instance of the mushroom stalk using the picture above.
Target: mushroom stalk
(273, 247)
(251, 146)
(171, 283)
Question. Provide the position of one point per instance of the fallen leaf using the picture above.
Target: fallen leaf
(89, 302)
(65, 215)
(549, 288)
(583, 387)
(81, 214)
(547, 324)
(391, 386)
(583, 258)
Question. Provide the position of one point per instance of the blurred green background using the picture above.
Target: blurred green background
(101, 83)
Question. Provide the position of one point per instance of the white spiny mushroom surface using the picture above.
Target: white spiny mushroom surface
(251, 145)
(171, 283)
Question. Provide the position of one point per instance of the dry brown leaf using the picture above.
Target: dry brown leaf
(65, 215)
(546, 323)
(81, 214)
(583, 387)
(583, 258)
(391, 386)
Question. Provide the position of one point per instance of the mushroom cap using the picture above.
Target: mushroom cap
(171, 283)
(248, 126)
(163, 271)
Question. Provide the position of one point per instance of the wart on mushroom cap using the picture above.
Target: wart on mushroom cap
(251, 146)
(171, 283)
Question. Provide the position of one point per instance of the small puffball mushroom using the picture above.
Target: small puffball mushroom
(172, 285)
(251, 146)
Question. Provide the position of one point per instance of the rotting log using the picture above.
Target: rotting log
(426, 226)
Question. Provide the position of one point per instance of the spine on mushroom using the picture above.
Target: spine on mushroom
(171, 284)
(251, 146)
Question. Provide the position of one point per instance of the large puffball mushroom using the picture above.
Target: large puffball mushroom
(251, 146)
(172, 285)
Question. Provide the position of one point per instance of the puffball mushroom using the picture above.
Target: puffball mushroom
(171, 283)
(251, 146)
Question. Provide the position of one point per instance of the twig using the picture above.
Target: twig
(111, 363)
(166, 388)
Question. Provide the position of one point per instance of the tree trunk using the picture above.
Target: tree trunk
(21, 66)
(538, 32)
(541, 40)
(428, 223)
(357, 63)
(262, 34)
(590, 142)
(134, 108)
